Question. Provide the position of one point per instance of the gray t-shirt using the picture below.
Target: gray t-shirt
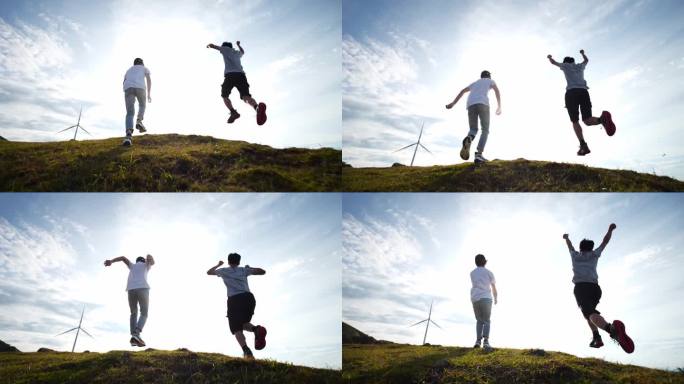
(584, 265)
(574, 75)
(231, 59)
(235, 279)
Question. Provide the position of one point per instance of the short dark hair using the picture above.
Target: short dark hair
(569, 59)
(234, 258)
(227, 44)
(485, 74)
(586, 245)
(480, 260)
(139, 259)
(137, 61)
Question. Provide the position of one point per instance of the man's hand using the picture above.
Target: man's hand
(498, 111)
(107, 263)
(548, 56)
(612, 227)
(496, 300)
(565, 236)
(149, 98)
(220, 262)
(582, 51)
(449, 106)
(237, 42)
(208, 45)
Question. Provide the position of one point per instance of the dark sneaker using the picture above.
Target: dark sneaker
(261, 113)
(140, 127)
(127, 142)
(233, 117)
(486, 346)
(480, 159)
(607, 121)
(477, 344)
(247, 354)
(465, 149)
(259, 337)
(620, 335)
(138, 340)
(584, 150)
(596, 343)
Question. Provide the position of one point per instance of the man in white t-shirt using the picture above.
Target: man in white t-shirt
(134, 88)
(138, 293)
(241, 302)
(234, 76)
(478, 107)
(481, 296)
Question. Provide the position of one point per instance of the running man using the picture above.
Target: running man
(138, 293)
(577, 99)
(588, 292)
(481, 296)
(241, 302)
(134, 88)
(234, 76)
(478, 107)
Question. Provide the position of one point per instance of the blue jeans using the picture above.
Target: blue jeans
(483, 310)
(481, 111)
(139, 296)
(130, 95)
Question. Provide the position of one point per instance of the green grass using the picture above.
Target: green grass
(166, 163)
(152, 367)
(395, 363)
(504, 176)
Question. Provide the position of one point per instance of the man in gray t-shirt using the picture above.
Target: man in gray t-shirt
(234, 76)
(588, 292)
(577, 99)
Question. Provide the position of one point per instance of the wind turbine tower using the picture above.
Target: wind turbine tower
(77, 126)
(77, 329)
(427, 323)
(417, 144)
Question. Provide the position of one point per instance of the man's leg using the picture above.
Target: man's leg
(129, 96)
(598, 321)
(228, 104)
(578, 131)
(478, 324)
(250, 100)
(133, 305)
(472, 121)
(141, 95)
(144, 300)
(486, 314)
(483, 112)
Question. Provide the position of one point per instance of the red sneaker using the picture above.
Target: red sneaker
(619, 334)
(261, 113)
(259, 337)
(607, 122)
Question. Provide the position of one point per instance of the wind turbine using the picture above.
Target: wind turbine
(77, 126)
(427, 323)
(417, 144)
(77, 329)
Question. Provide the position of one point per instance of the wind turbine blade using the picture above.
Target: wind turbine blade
(91, 135)
(410, 145)
(435, 324)
(86, 332)
(66, 129)
(418, 323)
(72, 329)
(420, 145)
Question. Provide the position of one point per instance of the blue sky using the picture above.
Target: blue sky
(400, 251)
(58, 55)
(403, 61)
(52, 247)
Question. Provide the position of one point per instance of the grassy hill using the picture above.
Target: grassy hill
(152, 367)
(504, 176)
(403, 364)
(166, 163)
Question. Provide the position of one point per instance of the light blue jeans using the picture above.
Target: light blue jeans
(140, 296)
(130, 95)
(483, 310)
(481, 111)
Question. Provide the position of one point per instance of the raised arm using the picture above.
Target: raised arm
(608, 235)
(256, 271)
(240, 47)
(586, 59)
(460, 94)
(107, 263)
(498, 98)
(212, 270)
(552, 61)
(150, 260)
(568, 242)
(216, 47)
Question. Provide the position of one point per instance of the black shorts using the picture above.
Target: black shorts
(237, 80)
(240, 310)
(578, 98)
(587, 296)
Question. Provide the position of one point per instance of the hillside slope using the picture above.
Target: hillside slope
(504, 176)
(167, 162)
(404, 364)
(152, 367)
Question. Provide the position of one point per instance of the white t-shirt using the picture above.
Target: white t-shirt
(482, 279)
(584, 265)
(235, 279)
(137, 276)
(478, 92)
(135, 77)
(231, 60)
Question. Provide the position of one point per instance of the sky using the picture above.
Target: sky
(404, 61)
(56, 56)
(53, 246)
(401, 251)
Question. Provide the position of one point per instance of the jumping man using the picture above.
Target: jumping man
(484, 284)
(134, 88)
